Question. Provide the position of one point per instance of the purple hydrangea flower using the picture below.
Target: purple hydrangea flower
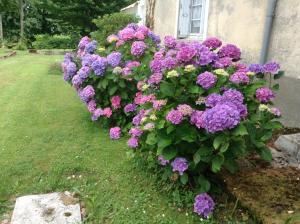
(169, 63)
(155, 78)
(156, 65)
(179, 164)
(155, 38)
(205, 56)
(230, 50)
(91, 47)
(99, 66)
(257, 68)
(197, 119)
(233, 95)
(83, 42)
(83, 72)
(136, 120)
(212, 42)
(204, 205)
(222, 62)
(264, 94)
(162, 161)
(206, 80)
(138, 48)
(126, 34)
(275, 111)
(91, 105)
(271, 67)
(115, 133)
(133, 26)
(129, 108)
(135, 132)
(70, 71)
(96, 114)
(239, 78)
(87, 93)
(174, 116)
(133, 142)
(213, 99)
(186, 53)
(170, 42)
(114, 59)
(77, 81)
(220, 117)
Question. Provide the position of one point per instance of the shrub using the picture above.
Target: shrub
(45, 41)
(111, 23)
(197, 107)
(21, 45)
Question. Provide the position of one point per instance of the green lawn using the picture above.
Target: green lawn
(47, 137)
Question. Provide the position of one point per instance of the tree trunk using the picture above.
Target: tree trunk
(150, 7)
(1, 31)
(21, 5)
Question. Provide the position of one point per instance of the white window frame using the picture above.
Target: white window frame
(204, 21)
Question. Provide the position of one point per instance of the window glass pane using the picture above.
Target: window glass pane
(195, 26)
(196, 2)
(196, 12)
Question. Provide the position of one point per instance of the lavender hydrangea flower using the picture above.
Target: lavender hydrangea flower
(83, 42)
(204, 205)
(264, 94)
(155, 38)
(91, 105)
(126, 34)
(70, 71)
(271, 67)
(156, 65)
(205, 56)
(230, 50)
(197, 119)
(77, 81)
(256, 68)
(185, 109)
(99, 66)
(83, 72)
(213, 99)
(206, 80)
(233, 95)
(179, 164)
(129, 108)
(96, 114)
(138, 48)
(186, 53)
(155, 78)
(135, 132)
(239, 78)
(162, 161)
(212, 42)
(169, 63)
(115, 133)
(275, 111)
(87, 93)
(133, 142)
(174, 116)
(114, 59)
(222, 116)
(170, 42)
(91, 47)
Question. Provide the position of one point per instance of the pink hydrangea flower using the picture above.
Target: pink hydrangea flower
(116, 102)
(107, 112)
(115, 133)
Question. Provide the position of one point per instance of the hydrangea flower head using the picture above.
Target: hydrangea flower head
(204, 205)
(112, 38)
(185, 109)
(91, 47)
(172, 73)
(114, 59)
(239, 78)
(91, 105)
(206, 80)
(133, 142)
(174, 116)
(212, 42)
(96, 114)
(256, 68)
(138, 48)
(179, 164)
(135, 132)
(99, 66)
(129, 108)
(115, 133)
(231, 51)
(275, 111)
(197, 119)
(213, 99)
(170, 42)
(186, 53)
(126, 34)
(162, 161)
(77, 81)
(155, 78)
(116, 102)
(271, 67)
(264, 94)
(87, 93)
(107, 112)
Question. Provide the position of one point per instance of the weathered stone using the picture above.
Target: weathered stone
(53, 208)
(289, 145)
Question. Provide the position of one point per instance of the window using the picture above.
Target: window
(192, 18)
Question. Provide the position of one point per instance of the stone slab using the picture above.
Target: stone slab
(53, 208)
(290, 145)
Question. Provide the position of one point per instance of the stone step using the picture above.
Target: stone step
(53, 208)
(289, 145)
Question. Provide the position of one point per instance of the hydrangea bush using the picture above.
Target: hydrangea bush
(106, 79)
(193, 106)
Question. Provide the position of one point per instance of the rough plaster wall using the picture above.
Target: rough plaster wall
(285, 36)
(165, 17)
(240, 22)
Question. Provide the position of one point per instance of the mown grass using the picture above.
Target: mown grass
(49, 144)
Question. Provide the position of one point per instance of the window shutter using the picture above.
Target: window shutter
(184, 18)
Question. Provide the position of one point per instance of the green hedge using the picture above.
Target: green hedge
(45, 41)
